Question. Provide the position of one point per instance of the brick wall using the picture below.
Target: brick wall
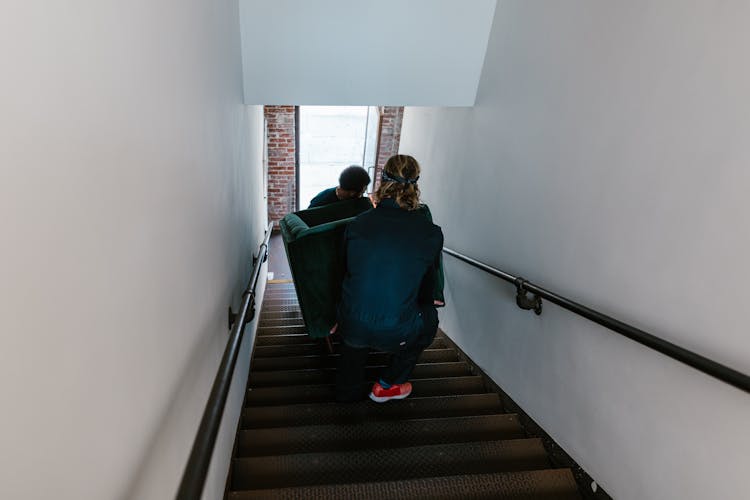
(390, 136)
(282, 187)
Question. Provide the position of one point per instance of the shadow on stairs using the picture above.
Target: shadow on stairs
(451, 439)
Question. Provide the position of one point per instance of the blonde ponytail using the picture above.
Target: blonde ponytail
(406, 194)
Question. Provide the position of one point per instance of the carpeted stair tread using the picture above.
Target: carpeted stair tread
(301, 347)
(367, 411)
(277, 302)
(330, 361)
(282, 292)
(385, 464)
(319, 393)
(548, 484)
(290, 315)
(328, 375)
(377, 434)
(280, 320)
(284, 339)
(292, 327)
(291, 307)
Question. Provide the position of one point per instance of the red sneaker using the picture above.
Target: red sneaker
(396, 391)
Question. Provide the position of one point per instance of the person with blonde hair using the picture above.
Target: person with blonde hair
(392, 261)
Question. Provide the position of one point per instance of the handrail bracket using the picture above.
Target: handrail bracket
(524, 301)
(232, 316)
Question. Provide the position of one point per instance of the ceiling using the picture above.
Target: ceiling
(361, 52)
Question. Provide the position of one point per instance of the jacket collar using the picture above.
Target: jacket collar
(388, 203)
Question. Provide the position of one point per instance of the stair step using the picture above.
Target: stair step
(274, 302)
(330, 361)
(280, 351)
(313, 347)
(547, 484)
(292, 337)
(378, 434)
(289, 321)
(280, 287)
(279, 316)
(289, 328)
(284, 339)
(367, 411)
(264, 396)
(328, 375)
(281, 290)
(290, 294)
(280, 296)
(282, 330)
(282, 308)
(388, 464)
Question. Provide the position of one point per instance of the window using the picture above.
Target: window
(330, 139)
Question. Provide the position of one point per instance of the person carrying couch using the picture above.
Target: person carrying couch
(353, 182)
(392, 256)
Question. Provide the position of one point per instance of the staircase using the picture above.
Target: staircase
(450, 439)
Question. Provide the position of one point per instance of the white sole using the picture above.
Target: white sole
(378, 399)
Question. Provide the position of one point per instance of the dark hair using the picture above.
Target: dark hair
(400, 182)
(354, 178)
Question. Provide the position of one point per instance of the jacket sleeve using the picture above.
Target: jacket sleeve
(431, 288)
(343, 247)
(439, 284)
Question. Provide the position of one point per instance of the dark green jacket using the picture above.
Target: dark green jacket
(392, 267)
(325, 197)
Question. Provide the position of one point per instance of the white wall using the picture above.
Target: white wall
(607, 159)
(339, 52)
(130, 204)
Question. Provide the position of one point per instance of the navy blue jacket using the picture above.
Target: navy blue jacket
(392, 259)
(325, 197)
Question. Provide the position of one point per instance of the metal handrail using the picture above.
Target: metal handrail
(194, 477)
(701, 363)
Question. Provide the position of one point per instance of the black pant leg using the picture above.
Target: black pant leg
(350, 375)
(403, 361)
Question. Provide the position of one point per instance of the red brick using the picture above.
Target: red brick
(281, 160)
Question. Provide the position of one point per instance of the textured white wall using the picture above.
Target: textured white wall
(339, 52)
(607, 159)
(130, 204)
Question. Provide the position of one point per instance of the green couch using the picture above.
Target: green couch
(313, 240)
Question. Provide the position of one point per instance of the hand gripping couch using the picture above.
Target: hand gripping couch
(313, 240)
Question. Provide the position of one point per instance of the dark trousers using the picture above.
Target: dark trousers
(350, 375)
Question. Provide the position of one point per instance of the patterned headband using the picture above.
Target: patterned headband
(386, 177)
